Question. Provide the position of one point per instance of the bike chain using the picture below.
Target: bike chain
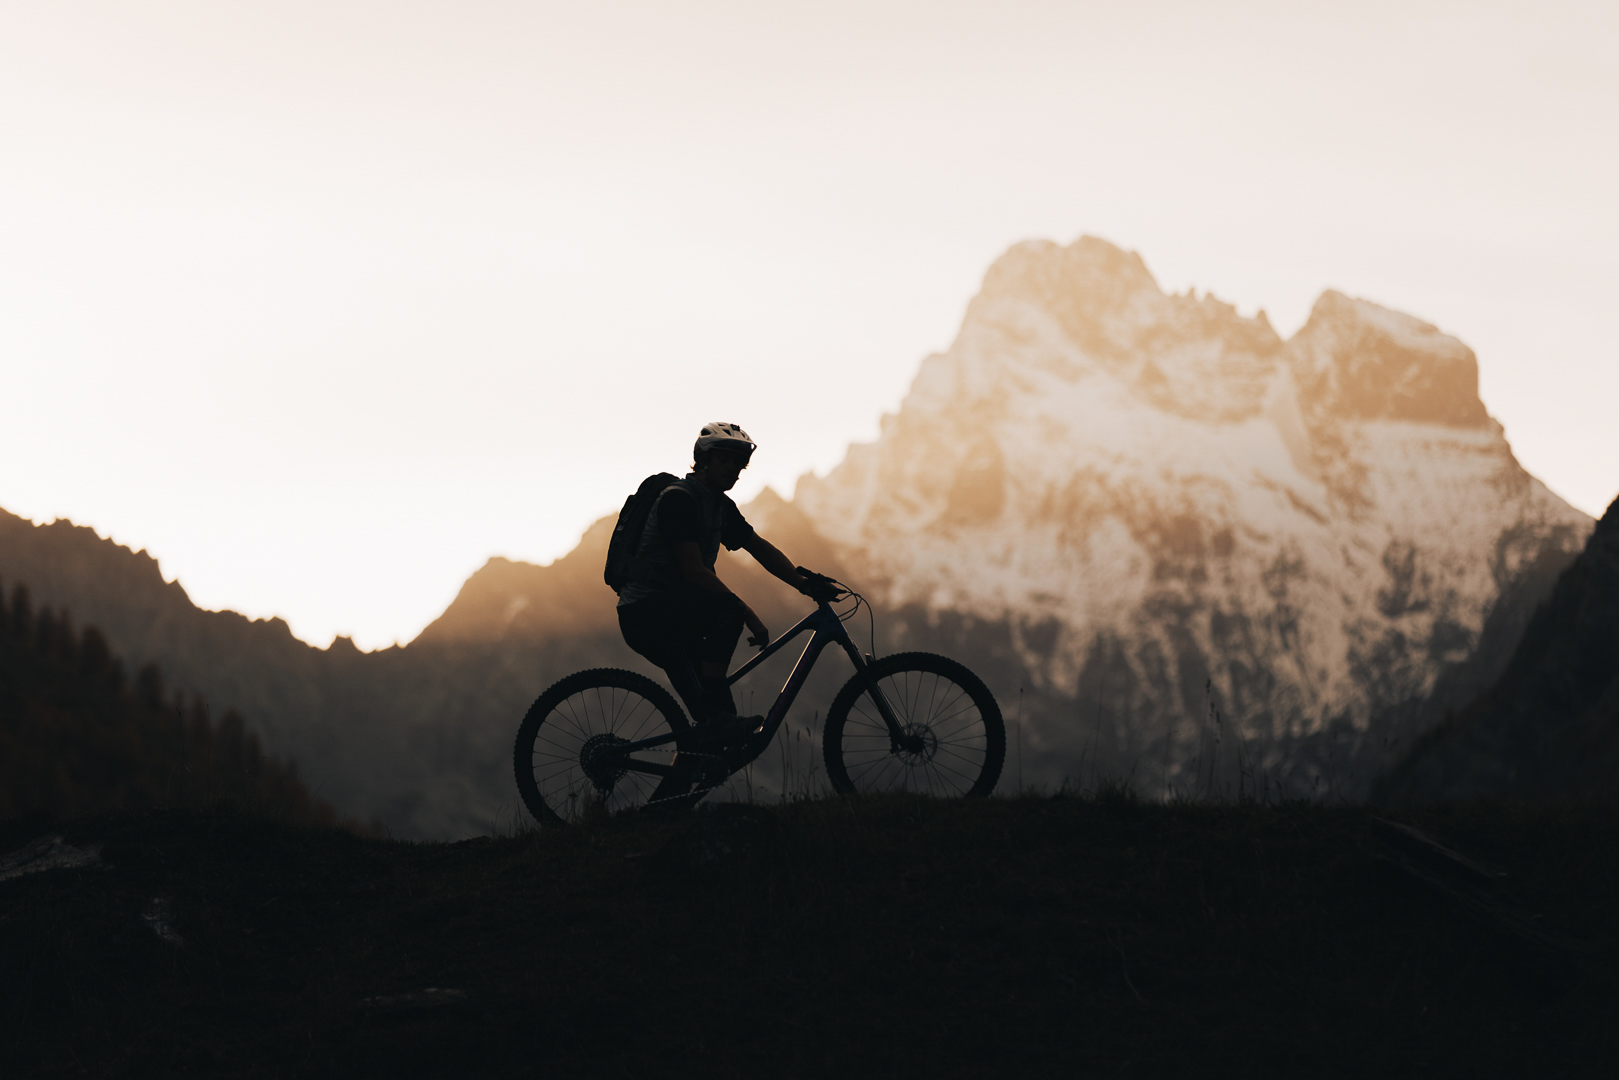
(700, 792)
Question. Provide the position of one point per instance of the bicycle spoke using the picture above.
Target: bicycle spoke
(618, 707)
(883, 769)
(652, 717)
(568, 751)
(945, 768)
(970, 711)
(580, 726)
(975, 746)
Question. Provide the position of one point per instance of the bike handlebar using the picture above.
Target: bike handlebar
(823, 589)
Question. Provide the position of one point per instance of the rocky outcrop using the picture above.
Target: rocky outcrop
(1355, 361)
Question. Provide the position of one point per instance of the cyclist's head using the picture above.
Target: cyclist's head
(719, 436)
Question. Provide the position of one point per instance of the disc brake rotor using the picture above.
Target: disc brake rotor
(919, 744)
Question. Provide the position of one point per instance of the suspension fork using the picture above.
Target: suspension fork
(897, 739)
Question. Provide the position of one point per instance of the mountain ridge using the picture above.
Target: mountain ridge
(1157, 525)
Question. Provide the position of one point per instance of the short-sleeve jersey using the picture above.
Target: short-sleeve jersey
(686, 511)
(680, 518)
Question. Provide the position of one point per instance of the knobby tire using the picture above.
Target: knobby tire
(603, 704)
(939, 701)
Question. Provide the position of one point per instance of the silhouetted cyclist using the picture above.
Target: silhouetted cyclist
(673, 609)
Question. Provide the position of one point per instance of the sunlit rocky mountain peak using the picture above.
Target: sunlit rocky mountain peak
(1154, 492)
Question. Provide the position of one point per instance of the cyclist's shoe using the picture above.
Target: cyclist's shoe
(722, 728)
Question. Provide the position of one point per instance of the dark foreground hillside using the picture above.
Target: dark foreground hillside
(897, 937)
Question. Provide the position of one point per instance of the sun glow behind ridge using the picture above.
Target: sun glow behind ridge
(325, 304)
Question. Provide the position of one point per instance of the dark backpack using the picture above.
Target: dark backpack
(626, 539)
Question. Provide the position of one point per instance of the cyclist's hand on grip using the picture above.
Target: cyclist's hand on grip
(819, 587)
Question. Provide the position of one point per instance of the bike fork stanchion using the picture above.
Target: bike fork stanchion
(898, 740)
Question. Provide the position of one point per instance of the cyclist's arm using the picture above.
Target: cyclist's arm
(689, 561)
(771, 558)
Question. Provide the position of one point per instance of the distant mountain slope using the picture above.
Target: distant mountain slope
(1548, 729)
(509, 600)
(417, 738)
(353, 722)
(77, 737)
(221, 654)
(517, 601)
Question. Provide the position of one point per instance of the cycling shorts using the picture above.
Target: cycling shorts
(687, 625)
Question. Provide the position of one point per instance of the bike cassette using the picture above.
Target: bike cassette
(601, 762)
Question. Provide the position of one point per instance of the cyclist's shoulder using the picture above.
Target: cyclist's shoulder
(687, 496)
(689, 489)
(681, 492)
(679, 509)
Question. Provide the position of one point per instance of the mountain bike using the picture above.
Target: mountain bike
(616, 740)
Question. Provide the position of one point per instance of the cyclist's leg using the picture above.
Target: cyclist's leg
(682, 636)
(716, 622)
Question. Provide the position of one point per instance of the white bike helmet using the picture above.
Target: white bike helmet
(720, 436)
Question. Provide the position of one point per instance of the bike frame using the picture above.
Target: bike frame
(824, 628)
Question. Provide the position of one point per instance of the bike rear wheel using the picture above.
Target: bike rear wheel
(565, 761)
(952, 740)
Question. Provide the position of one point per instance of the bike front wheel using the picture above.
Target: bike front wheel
(567, 762)
(951, 740)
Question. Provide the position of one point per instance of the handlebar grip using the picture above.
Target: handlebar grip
(825, 588)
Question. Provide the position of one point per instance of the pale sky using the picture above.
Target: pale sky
(323, 304)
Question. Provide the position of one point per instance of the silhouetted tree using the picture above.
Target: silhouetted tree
(75, 739)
